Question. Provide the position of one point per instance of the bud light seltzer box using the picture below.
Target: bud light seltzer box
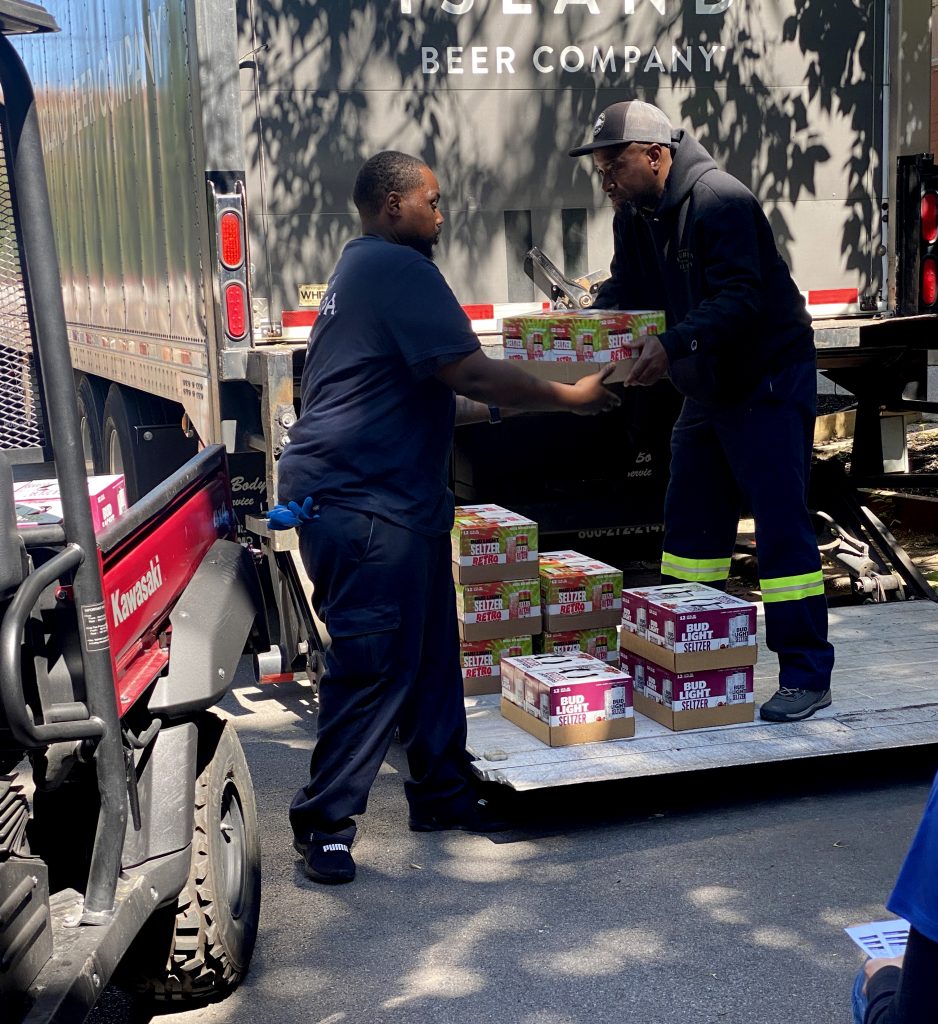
(634, 665)
(700, 622)
(572, 700)
(514, 668)
(600, 643)
(498, 608)
(697, 700)
(635, 601)
(491, 543)
(578, 592)
(481, 662)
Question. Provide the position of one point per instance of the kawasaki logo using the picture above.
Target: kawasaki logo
(126, 602)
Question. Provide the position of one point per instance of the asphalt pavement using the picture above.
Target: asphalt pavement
(718, 898)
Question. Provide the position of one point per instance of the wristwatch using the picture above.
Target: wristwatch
(495, 414)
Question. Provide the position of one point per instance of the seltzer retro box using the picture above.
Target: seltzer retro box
(601, 643)
(635, 602)
(606, 336)
(574, 587)
(489, 541)
(698, 691)
(575, 690)
(498, 608)
(482, 659)
(595, 335)
(37, 501)
(700, 622)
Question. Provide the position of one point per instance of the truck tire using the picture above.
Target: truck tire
(124, 410)
(199, 949)
(91, 394)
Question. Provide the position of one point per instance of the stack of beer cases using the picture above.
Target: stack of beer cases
(495, 559)
(567, 698)
(690, 650)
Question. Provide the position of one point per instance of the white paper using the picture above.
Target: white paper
(881, 938)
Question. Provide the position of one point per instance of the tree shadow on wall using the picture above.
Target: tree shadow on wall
(334, 83)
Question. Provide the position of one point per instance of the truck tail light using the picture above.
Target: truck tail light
(930, 217)
(929, 281)
(231, 249)
(236, 309)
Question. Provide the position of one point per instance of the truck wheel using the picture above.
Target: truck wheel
(91, 394)
(124, 410)
(200, 949)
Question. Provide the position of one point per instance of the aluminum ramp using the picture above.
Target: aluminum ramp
(885, 689)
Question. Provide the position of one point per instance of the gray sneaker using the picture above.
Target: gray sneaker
(794, 705)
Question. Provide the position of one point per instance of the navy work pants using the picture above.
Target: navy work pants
(387, 598)
(760, 451)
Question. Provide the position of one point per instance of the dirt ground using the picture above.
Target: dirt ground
(913, 523)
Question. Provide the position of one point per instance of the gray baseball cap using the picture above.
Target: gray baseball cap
(629, 121)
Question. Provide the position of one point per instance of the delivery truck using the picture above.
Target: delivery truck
(201, 155)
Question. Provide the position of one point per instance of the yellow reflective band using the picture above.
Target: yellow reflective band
(792, 588)
(699, 570)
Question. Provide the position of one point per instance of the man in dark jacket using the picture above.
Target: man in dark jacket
(690, 239)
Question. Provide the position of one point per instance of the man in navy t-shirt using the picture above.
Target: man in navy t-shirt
(390, 351)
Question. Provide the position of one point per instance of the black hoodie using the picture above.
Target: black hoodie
(706, 256)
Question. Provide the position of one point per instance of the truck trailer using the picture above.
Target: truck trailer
(201, 156)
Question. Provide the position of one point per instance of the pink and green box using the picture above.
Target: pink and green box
(513, 340)
(491, 543)
(578, 592)
(607, 336)
(601, 643)
(498, 608)
(481, 662)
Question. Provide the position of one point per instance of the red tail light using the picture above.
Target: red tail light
(236, 311)
(232, 240)
(929, 280)
(930, 217)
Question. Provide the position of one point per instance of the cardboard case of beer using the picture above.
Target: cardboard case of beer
(568, 699)
(579, 336)
(38, 502)
(601, 643)
(481, 662)
(578, 592)
(696, 700)
(492, 543)
(498, 608)
(688, 627)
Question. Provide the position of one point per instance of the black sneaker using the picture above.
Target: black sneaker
(794, 705)
(326, 859)
(476, 817)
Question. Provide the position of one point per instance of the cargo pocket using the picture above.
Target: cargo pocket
(363, 641)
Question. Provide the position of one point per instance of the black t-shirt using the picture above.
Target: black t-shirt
(376, 427)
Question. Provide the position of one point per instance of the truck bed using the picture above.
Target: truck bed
(885, 691)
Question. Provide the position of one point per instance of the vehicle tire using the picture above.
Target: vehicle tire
(200, 949)
(91, 393)
(124, 410)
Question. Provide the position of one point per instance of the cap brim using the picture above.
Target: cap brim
(583, 150)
